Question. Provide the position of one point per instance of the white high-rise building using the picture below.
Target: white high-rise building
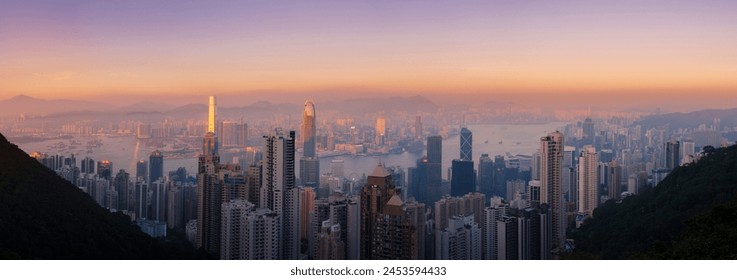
(588, 181)
(493, 213)
(233, 237)
(278, 190)
(461, 240)
(259, 227)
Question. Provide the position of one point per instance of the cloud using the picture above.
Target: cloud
(56, 76)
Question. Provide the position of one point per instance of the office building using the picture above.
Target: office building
(156, 166)
(485, 175)
(105, 169)
(209, 194)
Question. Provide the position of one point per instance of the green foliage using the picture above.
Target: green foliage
(43, 216)
(667, 221)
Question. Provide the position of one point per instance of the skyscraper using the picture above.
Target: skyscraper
(306, 213)
(309, 172)
(588, 131)
(156, 166)
(588, 181)
(463, 180)
(209, 196)
(309, 129)
(390, 229)
(278, 190)
(380, 131)
(142, 169)
(121, 185)
(551, 158)
(615, 180)
(485, 175)
(211, 114)
(232, 220)
(672, 155)
(309, 165)
(434, 168)
(461, 240)
(466, 144)
(105, 169)
(88, 166)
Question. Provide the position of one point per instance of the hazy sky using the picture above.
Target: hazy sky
(79, 48)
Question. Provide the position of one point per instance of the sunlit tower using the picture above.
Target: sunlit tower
(209, 196)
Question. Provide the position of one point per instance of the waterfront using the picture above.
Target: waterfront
(493, 139)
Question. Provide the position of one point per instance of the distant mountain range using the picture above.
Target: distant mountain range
(69, 108)
(43, 216)
(727, 117)
(23, 104)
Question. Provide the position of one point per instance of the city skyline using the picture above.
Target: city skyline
(556, 48)
(575, 108)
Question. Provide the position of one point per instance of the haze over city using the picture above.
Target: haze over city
(368, 130)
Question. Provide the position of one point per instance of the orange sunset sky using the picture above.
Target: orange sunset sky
(91, 48)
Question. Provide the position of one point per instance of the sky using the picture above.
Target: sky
(75, 49)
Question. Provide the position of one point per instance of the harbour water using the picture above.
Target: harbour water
(492, 139)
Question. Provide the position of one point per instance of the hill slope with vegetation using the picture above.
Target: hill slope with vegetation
(43, 216)
(691, 214)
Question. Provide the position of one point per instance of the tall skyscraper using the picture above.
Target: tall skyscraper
(121, 184)
(278, 190)
(463, 180)
(139, 203)
(211, 114)
(588, 131)
(142, 169)
(306, 214)
(309, 165)
(490, 241)
(380, 131)
(157, 208)
(175, 207)
(209, 195)
(105, 169)
(434, 168)
(309, 172)
(88, 166)
(614, 188)
(588, 181)
(551, 158)
(466, 144)
(672, 155)
(156, 166)
(461, 240)
(309, 129)
(485, 175)
(232, 221)
(390, 229)
(249, 233)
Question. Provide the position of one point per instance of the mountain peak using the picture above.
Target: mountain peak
(22, 97)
